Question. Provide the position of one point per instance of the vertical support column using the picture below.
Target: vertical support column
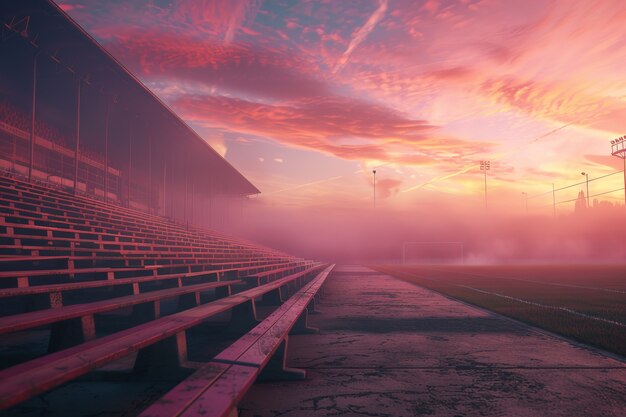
(173, 185)
(14, 154)
(205, 209)
(553, 202)
(31, 159)
(186, 195)
(77, 145)
(193, 200)
(164, 186)
(624, 159)
(106, 151)
(130, 160)
(210, 202)
(150, 175)
(485, 189)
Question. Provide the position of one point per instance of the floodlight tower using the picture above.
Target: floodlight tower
(374, 172)
(586, 175)
(485, 166)
(618, 148)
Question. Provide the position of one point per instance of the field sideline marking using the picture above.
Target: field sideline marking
(567, 310)
(521, 300)
(526, 280)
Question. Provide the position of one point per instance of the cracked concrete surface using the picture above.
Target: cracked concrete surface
(390, 348)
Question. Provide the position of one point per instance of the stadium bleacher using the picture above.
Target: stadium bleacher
(68, 261)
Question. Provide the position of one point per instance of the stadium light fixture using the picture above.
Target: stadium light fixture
(618, 149)
(374, 172)
(586, 174)
(485, 166)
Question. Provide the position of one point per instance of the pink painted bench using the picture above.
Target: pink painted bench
(160, 343)
(216, 388)
(55, 290)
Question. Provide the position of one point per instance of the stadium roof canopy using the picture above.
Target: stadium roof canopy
(50, 30)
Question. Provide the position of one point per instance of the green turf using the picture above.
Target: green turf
(565, 292)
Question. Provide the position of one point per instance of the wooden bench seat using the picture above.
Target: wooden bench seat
(14, 323)
(56, 290)
(73, 214)
(27, 249)
(264, 277)
(161, 340)
(18, 263)
(141, 218)
(21, 226)
(209, 246)
(216, 388)
(103, 231)
(53, 234)
(60, 237)
(23, 279)
(133, 218)
(42, 211)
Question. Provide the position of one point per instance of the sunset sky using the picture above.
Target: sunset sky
(305, 98)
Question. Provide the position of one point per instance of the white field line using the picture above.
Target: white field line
(530, 280)
(567, 285)
(567, 310)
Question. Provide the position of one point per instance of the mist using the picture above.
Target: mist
(365, 235)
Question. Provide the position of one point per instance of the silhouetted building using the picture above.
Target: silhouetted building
(581, 203)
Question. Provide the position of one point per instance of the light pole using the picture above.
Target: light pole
(525, 194)
(374, 172)
(618, 148)
(31, 157)
(485, 166)
(586, 174)
(553, 202)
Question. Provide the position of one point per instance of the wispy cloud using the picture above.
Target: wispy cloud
(362, 33)
(237, 17)
(440, 178)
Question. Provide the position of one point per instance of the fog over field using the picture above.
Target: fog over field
(593, 235)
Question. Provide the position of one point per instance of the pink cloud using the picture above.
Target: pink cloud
(562, 101)
(234, 68)
(332, 125)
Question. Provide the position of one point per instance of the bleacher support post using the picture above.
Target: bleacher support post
(162, 357)
(301, 326)
(187, 301)
(146, 312)
(274, 298)
(72, 332)
(243, 317)
(312, 307)
(277, 370)
(222, 292)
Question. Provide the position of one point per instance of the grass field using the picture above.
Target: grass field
(586, 303)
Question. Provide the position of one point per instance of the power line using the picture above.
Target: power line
(574, 199)
(577, 184)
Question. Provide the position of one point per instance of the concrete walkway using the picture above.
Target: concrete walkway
(390, 348)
